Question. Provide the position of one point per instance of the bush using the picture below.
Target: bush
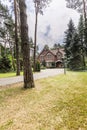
(5, 64)
(42, 67)
(37, 66)
(44, 63)
(53, 64)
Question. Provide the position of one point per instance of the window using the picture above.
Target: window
(48, 56)
(59, 55)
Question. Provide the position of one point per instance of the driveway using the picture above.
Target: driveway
(43, 74)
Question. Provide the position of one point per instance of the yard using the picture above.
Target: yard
(57, 103)
(9, 74)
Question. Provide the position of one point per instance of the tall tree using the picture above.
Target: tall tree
(28, 75)
(16, 38)
(81, 38)
(80, 6)
(75, 59)
(68, 38)
(39, 6)
(73, 47)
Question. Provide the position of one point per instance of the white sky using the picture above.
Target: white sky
(52, 24)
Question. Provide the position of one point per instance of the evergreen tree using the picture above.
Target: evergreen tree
(73, 47)
(68, 38)
(81, 38)
(46, 47)
(16, 36)
(75, 60)
(80, 6)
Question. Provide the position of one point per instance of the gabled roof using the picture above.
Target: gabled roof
(49, 51)
(43, 52)
(54, 52)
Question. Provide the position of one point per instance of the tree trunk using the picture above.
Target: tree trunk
(83, 56)
(28, 76)
(35, 40)
(84, 10)
(16, 40)
(85, 31)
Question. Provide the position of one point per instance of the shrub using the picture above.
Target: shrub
(44, 63)
(5, 64)
(37, 66)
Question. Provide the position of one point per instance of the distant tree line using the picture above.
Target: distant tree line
(54, 47)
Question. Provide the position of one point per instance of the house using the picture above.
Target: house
(52, 58)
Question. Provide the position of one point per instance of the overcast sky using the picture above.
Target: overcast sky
(52, 24)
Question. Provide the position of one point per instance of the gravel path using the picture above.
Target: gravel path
(43, 74)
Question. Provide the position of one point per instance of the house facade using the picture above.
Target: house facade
(52, 58)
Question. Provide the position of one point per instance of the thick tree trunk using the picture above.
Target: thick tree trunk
(16, 40)
(28, 76)
(35, 40)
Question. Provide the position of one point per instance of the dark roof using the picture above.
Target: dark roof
(53, 51)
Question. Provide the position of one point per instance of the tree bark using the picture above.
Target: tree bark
(85, 32)
(83, 55)
(84, 10)
(35, 39)
(16, 40)
(28, 75)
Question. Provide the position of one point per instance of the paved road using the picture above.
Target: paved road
(43, 74)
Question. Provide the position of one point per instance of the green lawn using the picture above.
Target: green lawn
(10, 74)
(57, 103)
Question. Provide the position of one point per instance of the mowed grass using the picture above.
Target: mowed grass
(9, 74)
(57, 103)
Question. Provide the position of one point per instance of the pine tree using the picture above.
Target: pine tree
(73, 47)
(80, 6)
(28, 75)
(68, 38)
(75, 60)
(16, 37)
(39, 6)
(81, 38)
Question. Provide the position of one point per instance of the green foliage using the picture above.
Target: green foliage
(21, 64)
(46, 47)
(57, 45)
(68, 37)
(81, 34)
(73, 48)
(53, 64)
(5, 64)
(37, 66)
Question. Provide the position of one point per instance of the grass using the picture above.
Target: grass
(9, 74)
(56, 103)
